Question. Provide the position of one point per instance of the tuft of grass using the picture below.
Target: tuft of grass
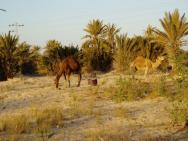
(159, 86)
(78, 107)
(179, 110)
(75, 106)
(5, 88)
(46, 120)
(120, 112)
(104, 134)
(15, 124)
(51, 116)
(34, 121)
(19, 124)
(98, 117)
(43, 129)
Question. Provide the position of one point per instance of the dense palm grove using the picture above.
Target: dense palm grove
(103, 48)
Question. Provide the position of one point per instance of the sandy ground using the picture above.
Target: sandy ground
(134, 121)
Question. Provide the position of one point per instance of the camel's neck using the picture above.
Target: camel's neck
(156, 64)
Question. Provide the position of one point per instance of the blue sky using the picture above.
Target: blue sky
(64, 20)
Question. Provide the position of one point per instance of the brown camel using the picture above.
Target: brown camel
(66, 67)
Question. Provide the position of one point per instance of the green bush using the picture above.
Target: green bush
(55, 52)
(99, 59)
(179, 111)
(128, 90)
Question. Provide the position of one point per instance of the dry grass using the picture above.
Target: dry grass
(108, 133)
(39, 122)
(78, 107)
(109, 111)
(120, 112)
(17, 124)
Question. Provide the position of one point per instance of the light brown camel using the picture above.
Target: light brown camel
(143, 64)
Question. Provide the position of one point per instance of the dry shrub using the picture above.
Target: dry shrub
(15, 124)
(51, 116)
(39, 121)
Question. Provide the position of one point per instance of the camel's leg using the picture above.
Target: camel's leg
(59, 74)
(64, 76)
(68, 76)
(79, 79)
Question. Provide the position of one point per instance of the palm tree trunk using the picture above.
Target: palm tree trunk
(171, 52)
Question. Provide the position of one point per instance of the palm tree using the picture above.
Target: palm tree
(52, 54)
(8, 48)
(29, 58)
(95, 32)
(149, 33)
(22, 52)
(175, 28)
(126, 49)
(94, 47)
(111, 31)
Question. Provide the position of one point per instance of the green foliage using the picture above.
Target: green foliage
(127, 49)
(98, 47)
(16, 57)
(54, 52)
(160, 86)
(29, 58)
(111, 31)
(99, 59)
(95, 32)
(175, 28)
(8, 45)
(179, 111)
(128, 90)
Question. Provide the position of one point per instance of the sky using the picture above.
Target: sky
(64, 20)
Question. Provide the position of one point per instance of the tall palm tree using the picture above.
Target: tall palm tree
(125, 51)
(95, 32)
(22, 52)
(175, 28)
(29, 58)
(111, 31)
(8, 48)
